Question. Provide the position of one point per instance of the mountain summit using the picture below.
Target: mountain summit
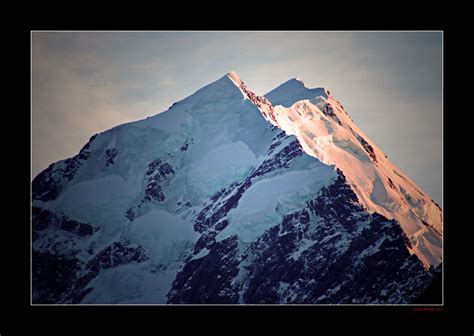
(232, 197)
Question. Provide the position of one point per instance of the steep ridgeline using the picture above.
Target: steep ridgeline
(325, 131)
(209, 202)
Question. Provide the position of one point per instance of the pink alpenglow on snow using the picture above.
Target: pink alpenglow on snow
(326, 132)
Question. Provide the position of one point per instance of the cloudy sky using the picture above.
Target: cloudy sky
(390, 83)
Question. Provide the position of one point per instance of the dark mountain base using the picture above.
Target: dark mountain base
(433, 294)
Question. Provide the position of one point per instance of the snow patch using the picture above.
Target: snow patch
(133, 283)
(164, 236)
(204, 252)
(264, 203)
(221, 166)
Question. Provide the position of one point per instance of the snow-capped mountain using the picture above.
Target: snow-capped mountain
(231, 197)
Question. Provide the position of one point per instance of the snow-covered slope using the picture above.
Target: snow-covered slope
(326, 132)
(208, 202)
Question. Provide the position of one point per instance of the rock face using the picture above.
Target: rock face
(211, 202)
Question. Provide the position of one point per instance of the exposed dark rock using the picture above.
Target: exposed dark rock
(206, 240)
(281, 160)
(72, 165)
(433, 293)
(63, 279)
(115, 255)
(329, 111)
(52, 276)
(431, 226)
(368, 148)
(281, 135)
(186, 145)
(159, 168)
(130, 214)
(261, 102)
(158, 171)
(154, 191)
(77, 228)
(47, 185)
(173, 105)
(390, 183)
(110, 155)
(437, 205)
(276, 141)
(42, 219)
(208, 279)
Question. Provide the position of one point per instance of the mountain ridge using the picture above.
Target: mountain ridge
(322, 122)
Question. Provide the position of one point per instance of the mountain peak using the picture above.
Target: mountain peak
(294, 90)
(234, 77)
(297, 80)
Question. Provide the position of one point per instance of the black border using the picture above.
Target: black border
(20, 315)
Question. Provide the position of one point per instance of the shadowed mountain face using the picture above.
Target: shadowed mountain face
(227, 198)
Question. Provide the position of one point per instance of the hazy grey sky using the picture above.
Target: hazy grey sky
(390, 83)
